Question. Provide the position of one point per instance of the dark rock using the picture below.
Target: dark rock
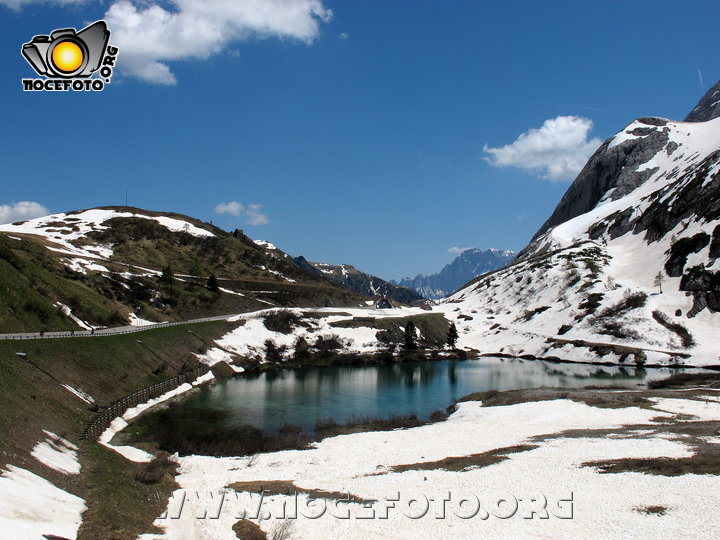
(621, 223)
(694, 197)
(715, 244)
(597, 230)
(705, 287)
(708, 108)
(653, 121)
(680, 250)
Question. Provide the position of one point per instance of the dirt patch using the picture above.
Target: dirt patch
(706, 458)
(652, 510)
(247, 530)
(155, 470)
(661, 466)
(286, 487)
(464, 463)
(594, 398)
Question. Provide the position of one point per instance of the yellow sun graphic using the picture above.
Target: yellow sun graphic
(67, 56)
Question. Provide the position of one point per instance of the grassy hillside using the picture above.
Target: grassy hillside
(32, 281)
(32, 398)
(118, 271)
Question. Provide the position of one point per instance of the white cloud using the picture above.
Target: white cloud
(20, 211)
(17, 4)
(458, 250)
(556, 151)
(255, 216)
(344, 35)
(150, 34)
(252, 213)
(233, 208)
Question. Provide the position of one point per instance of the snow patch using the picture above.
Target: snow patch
(87, 398)
(360, 464)
(265, 244)
(57, 453)
(32, 507)
(67, 311)
(137, 321)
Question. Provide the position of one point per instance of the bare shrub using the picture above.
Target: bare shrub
(282, 321)
(155, 470)
(630, 301)
(273, 353)
(685, 336)
(282, 530)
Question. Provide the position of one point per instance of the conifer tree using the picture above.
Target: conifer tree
(452, 335)
(167, 276)
(212, 284)
(410, 336)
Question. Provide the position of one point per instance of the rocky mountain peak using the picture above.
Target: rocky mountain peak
(708, 108)
(622, 164)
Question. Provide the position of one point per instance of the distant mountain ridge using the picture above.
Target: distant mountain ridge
(357, 281)
(467, 266)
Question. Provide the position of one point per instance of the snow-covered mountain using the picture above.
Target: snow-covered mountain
(466, 266)
(626, 268)
(357, 281)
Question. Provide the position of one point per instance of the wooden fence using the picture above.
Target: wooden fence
(106, 415)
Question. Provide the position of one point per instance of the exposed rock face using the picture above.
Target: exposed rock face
(611, 173)
(705, 288)
(708, 108)
(468, 265)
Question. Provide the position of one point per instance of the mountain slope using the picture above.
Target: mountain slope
(643, 215)
(113, 266)
(355, 280)
(466, 266)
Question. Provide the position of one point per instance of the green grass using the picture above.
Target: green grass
(113, 366)
(119, 506)
(31, 281)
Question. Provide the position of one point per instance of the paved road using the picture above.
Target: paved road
(107, 331)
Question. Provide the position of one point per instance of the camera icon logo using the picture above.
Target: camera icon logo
(66, 53)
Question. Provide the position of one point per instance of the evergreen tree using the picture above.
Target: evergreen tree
(452, 335)
(197, 268)
(167, 276)
(212, 284)
(410, 336)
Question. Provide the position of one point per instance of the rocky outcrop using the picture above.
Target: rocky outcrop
(704, 285)
(708, 108)
(611, 173)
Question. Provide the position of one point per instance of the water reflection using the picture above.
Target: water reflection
(301, 396)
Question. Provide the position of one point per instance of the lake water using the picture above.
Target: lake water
(300, 396)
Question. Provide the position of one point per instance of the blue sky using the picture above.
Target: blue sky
(375, 133)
